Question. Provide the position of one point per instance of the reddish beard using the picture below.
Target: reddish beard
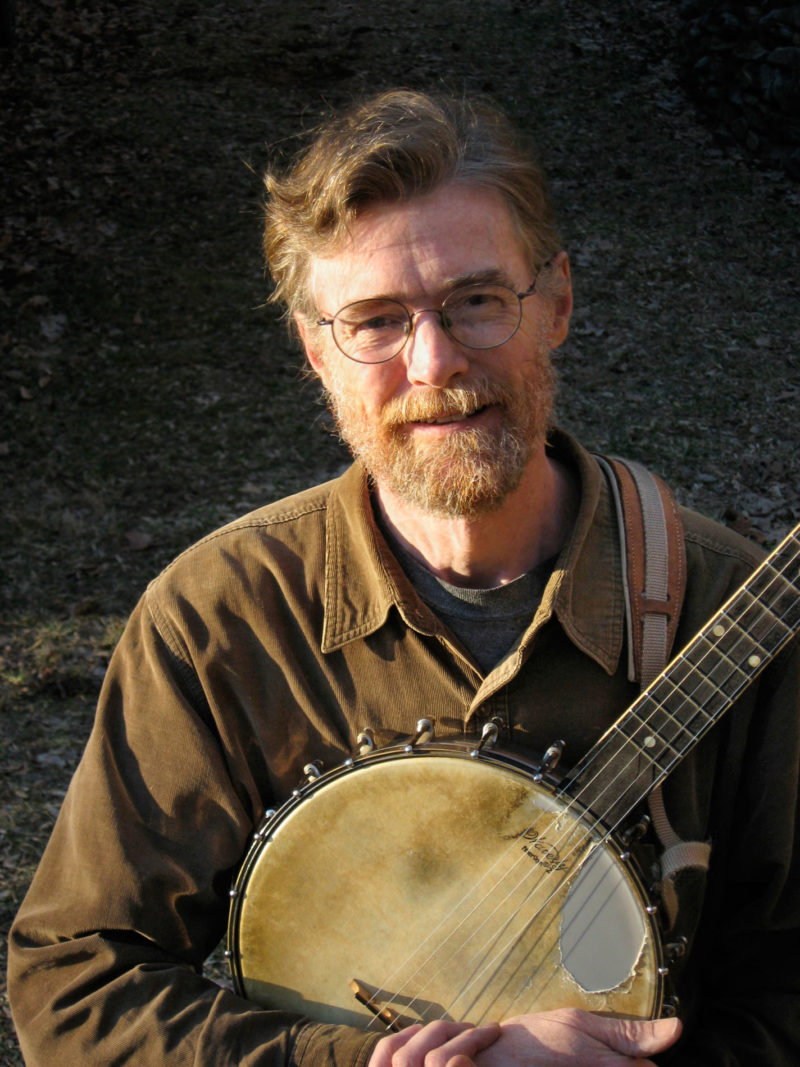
(469, 471)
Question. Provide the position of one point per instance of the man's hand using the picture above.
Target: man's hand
(563, 1038)
(572, 1038)
(439, 1044)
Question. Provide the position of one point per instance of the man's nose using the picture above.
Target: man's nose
(432, 356)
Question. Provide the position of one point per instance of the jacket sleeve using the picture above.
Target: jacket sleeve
(131, 895)
(741, 990)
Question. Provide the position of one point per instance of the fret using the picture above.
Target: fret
(790, 569)
(649, 741)
(726, 634)
(671, 710)
(742, 643)
(620, 773)
(693, 686)
(688, 712)
(784, 603)
(790, 615)
(720, 668)
(783, 573)
(736, 638)
(764, 622)
(778, 587)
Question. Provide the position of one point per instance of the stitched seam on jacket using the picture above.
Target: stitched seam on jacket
(722, 549)
(246, 523)
(168, 635)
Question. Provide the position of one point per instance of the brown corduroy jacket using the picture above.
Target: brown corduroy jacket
(277, 639)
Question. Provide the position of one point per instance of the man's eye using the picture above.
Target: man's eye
(480, 300)
(378, 323)
(373, 319)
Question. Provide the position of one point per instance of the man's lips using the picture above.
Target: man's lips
(448, 407)
(449, 418)
(446, 420)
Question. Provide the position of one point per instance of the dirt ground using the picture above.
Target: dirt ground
(147, 395)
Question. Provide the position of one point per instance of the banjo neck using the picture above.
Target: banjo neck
(698, 686)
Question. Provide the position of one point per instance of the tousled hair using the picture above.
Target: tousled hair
(390, 148)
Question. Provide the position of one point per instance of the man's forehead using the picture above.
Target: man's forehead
(443, 206)
(456, 235)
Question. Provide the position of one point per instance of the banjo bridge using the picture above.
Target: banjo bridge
(383, 1008)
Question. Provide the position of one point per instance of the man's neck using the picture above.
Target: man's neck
(489, 550)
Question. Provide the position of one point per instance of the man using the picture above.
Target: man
(468, 563)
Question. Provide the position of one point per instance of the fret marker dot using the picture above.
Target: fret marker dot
(718, 631)
(650, 742)
(754, 661)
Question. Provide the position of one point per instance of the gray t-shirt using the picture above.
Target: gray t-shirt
(487, 621)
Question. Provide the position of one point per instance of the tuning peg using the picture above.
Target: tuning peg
(423, 732)
(365, 742)
(674, 950)
(636, 832)
(312, 771)
(549, 760)
(489, 735)
(670, 1008)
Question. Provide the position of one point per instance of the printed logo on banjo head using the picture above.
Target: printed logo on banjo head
(541, 851)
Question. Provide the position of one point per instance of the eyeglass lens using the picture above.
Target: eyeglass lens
(477, 316)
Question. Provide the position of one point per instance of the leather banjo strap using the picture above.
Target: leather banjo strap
(654, 573)
(653, 564)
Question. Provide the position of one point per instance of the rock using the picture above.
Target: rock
(742, 66)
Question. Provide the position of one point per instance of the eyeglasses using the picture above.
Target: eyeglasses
(479, 316)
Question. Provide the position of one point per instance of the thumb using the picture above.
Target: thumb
(635, 1037)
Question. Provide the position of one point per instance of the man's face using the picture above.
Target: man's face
(447, 428)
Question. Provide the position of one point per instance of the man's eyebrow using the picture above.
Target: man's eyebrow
(485, 276)
(490, 275)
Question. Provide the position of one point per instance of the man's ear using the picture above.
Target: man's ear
(561, 287)
(311, 341)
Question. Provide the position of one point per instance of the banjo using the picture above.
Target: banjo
(447, 879)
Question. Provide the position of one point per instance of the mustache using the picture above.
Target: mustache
(460, 400)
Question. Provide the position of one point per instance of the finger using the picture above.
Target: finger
(459, 1050)
(383, 1053)
(436, 1044)
(408, 1047)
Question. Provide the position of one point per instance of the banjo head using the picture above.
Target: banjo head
(439, 884)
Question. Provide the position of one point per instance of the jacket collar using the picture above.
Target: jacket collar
(363, 579)
(586, 588)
